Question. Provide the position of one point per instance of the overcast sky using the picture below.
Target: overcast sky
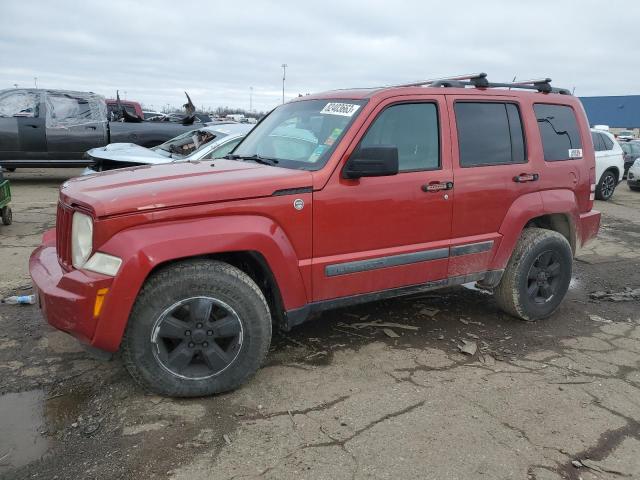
(154, 50)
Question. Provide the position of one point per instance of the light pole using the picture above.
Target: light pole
(35, 82)
(284, 76)
(250, 99)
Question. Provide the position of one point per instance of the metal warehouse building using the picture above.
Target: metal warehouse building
(618, 112)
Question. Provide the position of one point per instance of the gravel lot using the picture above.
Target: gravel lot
(554, 399)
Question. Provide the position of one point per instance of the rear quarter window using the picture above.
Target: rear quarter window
(559, 132)
(608, 143)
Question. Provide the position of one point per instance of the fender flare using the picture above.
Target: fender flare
(530, 206)
(144, 248)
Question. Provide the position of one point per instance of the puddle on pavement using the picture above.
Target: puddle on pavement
(22, 420)
(26, 419)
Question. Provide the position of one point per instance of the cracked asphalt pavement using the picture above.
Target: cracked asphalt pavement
(341, 397)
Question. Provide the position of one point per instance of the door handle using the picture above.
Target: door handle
(31, 125)
(90, 127)
(436, 186)
(526, 177)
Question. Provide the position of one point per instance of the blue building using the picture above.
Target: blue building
(618, 112)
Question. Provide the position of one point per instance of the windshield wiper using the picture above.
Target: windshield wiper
(253, 158)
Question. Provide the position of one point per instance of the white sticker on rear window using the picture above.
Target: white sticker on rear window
(343, 109)
(575, 153)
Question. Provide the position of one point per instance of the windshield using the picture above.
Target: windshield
(300, 134)
(187, 143)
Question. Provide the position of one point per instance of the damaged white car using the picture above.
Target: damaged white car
(213, 141)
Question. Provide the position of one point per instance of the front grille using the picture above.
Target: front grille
(63, 235)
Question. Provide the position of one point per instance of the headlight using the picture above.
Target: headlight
(81, 239)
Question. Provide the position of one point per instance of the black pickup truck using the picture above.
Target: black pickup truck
(54, 128)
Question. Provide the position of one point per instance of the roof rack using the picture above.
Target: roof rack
(479, 80)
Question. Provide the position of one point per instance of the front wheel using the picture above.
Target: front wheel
(537, 276)
(606, 185)
(197, 328)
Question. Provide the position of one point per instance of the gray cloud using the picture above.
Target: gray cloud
(216, 50)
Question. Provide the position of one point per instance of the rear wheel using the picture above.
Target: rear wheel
(7, 215)
(606, 185)
(537, 276)
(197, 328)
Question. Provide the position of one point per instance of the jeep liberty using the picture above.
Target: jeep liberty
(333, 199)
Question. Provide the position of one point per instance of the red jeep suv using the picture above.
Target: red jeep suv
(332, 200)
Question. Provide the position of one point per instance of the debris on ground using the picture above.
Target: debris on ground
(381, 324)
(468, 347)
(576, 463)
(599, 319)
(626, 295)
(316, 354)
(226, 438)
(19, 300)
(390, 333)
(429, 312)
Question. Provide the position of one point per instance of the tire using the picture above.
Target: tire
(164, 329)
(635, 189)
(514, 293)
(606, 186)
(7, 215)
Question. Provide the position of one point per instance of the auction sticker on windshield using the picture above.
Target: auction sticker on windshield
(343, 109)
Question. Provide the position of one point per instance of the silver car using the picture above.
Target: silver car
(207, 142)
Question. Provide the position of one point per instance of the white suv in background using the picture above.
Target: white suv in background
(609, 163)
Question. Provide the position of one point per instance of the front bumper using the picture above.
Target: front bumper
(67, 299)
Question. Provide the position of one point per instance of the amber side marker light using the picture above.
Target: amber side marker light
(97, 307)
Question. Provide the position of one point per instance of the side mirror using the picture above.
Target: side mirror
(378, 161)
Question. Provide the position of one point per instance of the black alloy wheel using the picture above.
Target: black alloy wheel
(197, 338)
(544, 276)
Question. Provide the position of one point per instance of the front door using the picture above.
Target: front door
(379, 233)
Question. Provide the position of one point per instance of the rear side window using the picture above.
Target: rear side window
(489, 134)
(608, 143)
(559, 131)
(413, 129)
(598, 144)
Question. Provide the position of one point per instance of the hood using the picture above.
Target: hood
(150, 187)
(128, 152)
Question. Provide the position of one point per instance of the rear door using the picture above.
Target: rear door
(72, 126)
(22, 126)
(379, 233)
(491, 170)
